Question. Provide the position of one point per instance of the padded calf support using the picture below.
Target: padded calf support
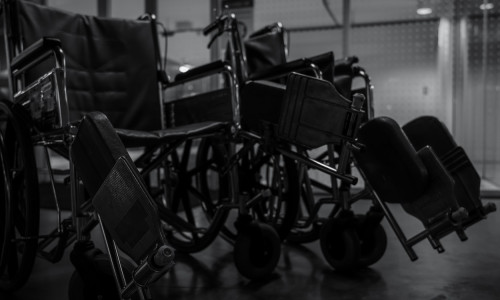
(119, 194)
(389, 161)
(110, 63)
(428, 130)
(399, 174)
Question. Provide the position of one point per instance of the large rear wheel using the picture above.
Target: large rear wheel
(20, 204)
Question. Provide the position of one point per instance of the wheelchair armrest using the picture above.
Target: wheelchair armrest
(201, 71)
(284, 70)
(37, 52)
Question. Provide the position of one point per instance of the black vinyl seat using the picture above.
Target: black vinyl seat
(137, 138)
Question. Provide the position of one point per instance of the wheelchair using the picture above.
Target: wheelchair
(348, 241)
(263, 101)
(63, 67)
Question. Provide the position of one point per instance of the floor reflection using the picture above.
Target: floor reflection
(467, 270)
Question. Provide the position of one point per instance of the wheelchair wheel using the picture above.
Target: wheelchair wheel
(340, 245)
(257, 250)
(20, 208)
(373, 242)
(267, 182)
(188, 228)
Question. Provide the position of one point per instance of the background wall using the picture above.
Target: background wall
(445, 64)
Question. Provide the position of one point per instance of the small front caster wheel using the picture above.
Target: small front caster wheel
(257, 250)
(340, 245)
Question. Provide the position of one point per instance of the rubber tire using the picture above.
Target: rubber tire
(340, 246)
(373, 243)
(77, 289)
(257, 251)
(24, 201)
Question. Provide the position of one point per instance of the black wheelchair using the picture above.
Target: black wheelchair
(348, 241)
(265, 93)
(62, 68)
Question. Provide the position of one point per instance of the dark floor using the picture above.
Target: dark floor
(468, 270)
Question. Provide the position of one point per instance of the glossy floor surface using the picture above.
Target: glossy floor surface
(467, 270)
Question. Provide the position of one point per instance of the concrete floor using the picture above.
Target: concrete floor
(467, 270)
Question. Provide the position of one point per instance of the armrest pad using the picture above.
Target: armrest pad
(34, 51)
(202, 71)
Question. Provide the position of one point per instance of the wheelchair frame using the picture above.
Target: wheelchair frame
(227, 23)
(50, 128)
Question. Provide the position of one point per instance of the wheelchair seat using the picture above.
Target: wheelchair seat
(138, 138)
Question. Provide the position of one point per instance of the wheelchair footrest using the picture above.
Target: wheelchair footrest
(127, 211)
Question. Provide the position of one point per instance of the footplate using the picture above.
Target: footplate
(128, 212)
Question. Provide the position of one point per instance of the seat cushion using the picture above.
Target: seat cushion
(137, 138)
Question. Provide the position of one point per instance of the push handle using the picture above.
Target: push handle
(217, 23)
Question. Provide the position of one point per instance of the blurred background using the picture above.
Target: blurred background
(425, 57)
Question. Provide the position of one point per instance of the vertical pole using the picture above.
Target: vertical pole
(215, 9)
(151, 7)
(485, 85)
(103, 8)
(346, 33)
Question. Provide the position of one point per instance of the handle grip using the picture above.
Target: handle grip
(214, 25)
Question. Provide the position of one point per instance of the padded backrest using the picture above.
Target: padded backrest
(265, 48)
(344, 74)
(389, 162)
(111, 63)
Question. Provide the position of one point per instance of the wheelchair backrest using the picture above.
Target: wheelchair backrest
(389, 162)
(265, 48)
(111, 64)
